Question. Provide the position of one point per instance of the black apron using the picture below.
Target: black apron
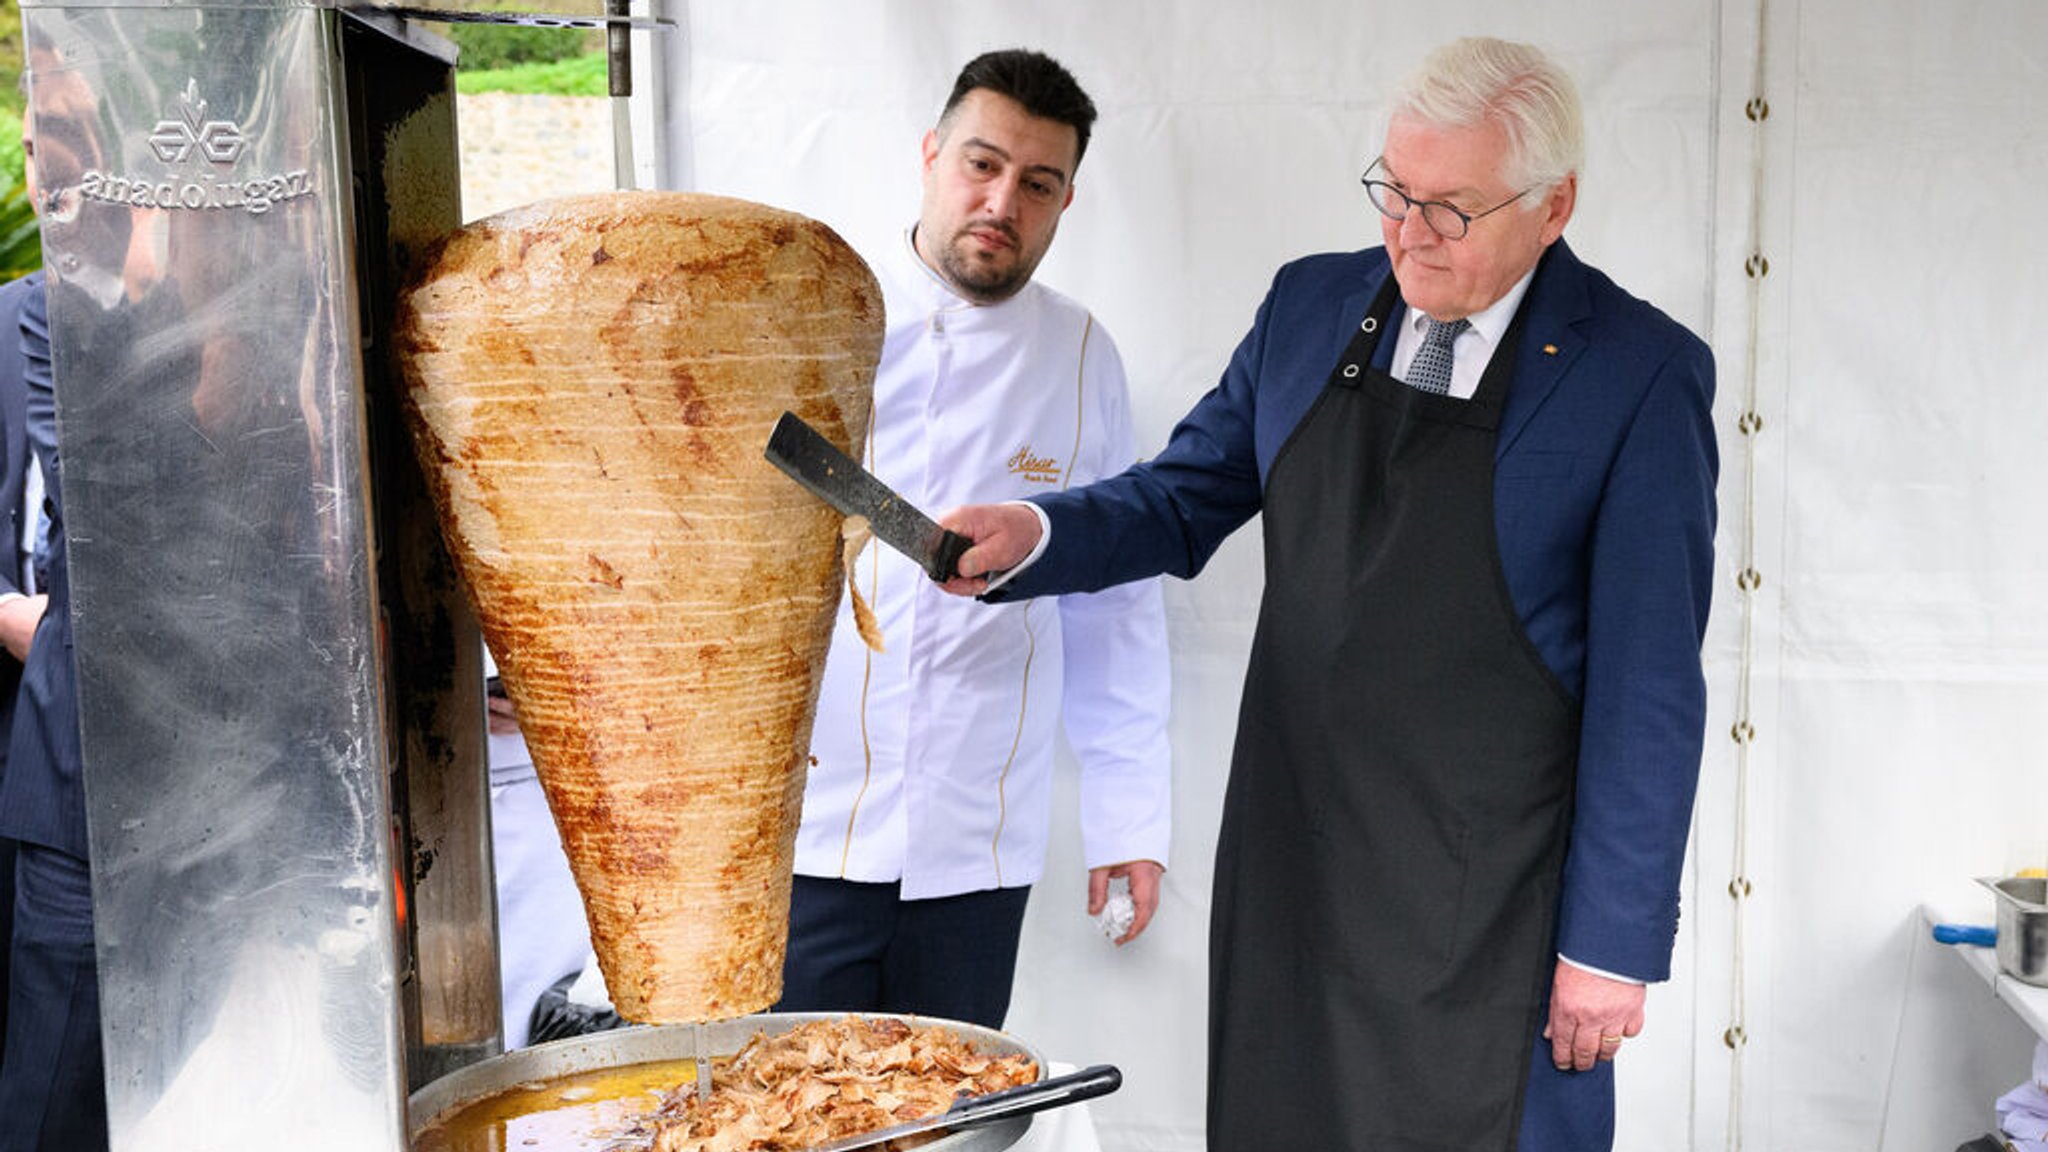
(1394, 828)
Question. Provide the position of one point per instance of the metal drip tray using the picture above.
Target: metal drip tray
(510, 1092)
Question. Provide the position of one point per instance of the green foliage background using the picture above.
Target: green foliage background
(21, 246)
(575, 76)
(493, 58)
(492, 47)
(10, 59)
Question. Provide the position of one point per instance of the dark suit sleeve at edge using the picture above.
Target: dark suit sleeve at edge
(1167, 515)
(1652, 571)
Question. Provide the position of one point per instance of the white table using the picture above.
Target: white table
(2028, 1002)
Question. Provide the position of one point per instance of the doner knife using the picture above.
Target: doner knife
(818, 464)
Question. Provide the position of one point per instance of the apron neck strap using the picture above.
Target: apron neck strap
(1484, 407)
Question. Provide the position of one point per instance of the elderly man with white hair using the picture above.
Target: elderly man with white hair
(1471, 726)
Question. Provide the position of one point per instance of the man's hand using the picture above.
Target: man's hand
(501, 720)
(19, 616)
(1144, 879)
(1590, 1015)
(1003, 535)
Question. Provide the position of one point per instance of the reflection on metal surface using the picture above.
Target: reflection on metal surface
(401, 114)
(242, 708)
(224, 631)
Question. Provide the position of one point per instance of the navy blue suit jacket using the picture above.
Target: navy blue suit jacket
(1604, 510)
(42, 794)
(15, 460)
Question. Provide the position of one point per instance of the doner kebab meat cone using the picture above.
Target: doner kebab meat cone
(590, 383)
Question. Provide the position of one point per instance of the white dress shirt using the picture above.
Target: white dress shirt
(1473, 348)
(932, 760)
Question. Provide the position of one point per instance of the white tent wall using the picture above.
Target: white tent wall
(1893, 658)
(1903, 660)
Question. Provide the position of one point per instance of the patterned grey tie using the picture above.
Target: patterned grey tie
(1431, 370)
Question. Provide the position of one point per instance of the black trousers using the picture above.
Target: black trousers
(856, 947)
(53, 1082)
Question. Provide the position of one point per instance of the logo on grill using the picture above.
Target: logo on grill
(184, 133)
(174, 139)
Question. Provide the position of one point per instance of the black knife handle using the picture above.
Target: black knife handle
(1072, 1088)
(946, 557)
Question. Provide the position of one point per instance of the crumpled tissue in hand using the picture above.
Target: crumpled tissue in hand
(1119, 911)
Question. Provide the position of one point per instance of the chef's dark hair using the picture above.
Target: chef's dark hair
(1040, 83)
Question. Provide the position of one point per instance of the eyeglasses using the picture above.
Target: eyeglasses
(1443, 219)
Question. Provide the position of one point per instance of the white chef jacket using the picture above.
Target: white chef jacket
(932, 760)
(543, 934)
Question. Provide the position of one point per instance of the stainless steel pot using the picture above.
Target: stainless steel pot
(2022, 926)
(641, 1045)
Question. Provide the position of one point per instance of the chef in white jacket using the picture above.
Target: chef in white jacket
(926, 815)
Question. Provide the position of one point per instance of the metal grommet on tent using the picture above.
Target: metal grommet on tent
(1351, 371)
(1749, 578)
